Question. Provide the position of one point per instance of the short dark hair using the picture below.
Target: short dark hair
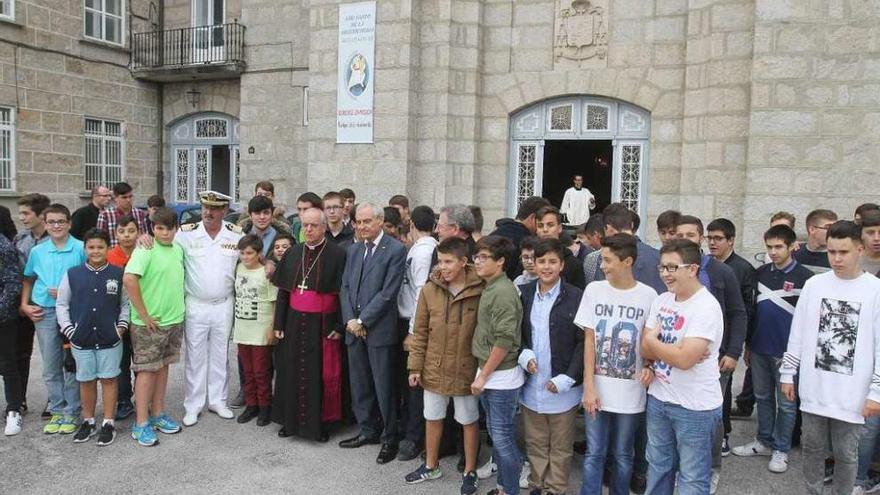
(637, 220)
(622, 245)
(333, 195)
(618, 216)
(57, 208)
(280, 236)
(866, 207)
(566, 239)
(399, 200)
(545, 246)
(781, 232)
(96, 233)
(121, 188)
(724, 225)
(251, 241)
(784, 215)
(266, 186)
(549, 210)
(820, 214)
(688, 250)
(477, 212)
(392, 216)
(530, 206)
(528, 242)
(311, 198)
(260, 203)
(422, 218)
(155, 201)
(691, 220)
(347, 193)
(35, 201)
(498, 247)
(595, 225)
(164, 217)
(845, 229)
(455, 246)
(668, 219)
(870, 218)
(125, 220)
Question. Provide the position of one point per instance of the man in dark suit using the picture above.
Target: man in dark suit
(372, 278)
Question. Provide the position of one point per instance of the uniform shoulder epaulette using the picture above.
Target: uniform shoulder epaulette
(189, 227)
(234, 228)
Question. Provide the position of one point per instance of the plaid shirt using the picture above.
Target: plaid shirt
(108, 218)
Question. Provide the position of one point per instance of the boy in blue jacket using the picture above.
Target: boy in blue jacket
(94, 323)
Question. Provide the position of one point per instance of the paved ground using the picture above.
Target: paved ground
(220, 456)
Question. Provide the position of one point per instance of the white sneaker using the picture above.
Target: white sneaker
(713, 484)
(524, 475)
(222, 411)
(190, 418)
(751, 449)
(857, 490)
(778, 462)
(13, 423)
(487, 470)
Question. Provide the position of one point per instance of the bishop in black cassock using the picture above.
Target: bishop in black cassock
(309, 355)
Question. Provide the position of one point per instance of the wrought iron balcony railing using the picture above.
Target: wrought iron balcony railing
(203, 49)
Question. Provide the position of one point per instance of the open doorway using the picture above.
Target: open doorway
(565, 159)
(220, 170)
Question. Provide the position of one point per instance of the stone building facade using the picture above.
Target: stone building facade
(733, 108)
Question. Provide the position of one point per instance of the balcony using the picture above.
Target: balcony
(187, 54)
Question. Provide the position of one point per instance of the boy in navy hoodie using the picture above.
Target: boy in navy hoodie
(94, 322)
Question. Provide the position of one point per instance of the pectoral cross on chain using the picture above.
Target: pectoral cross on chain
(302, 286)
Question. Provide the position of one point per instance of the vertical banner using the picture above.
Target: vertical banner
(356, 71)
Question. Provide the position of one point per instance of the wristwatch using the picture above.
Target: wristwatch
(359, 322)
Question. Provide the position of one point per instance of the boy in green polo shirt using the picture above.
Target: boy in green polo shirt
(154, 282)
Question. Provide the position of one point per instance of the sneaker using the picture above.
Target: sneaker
(123, 410)
(222, 411)
(189, 419)
(13, 423)
(106, 435)
(144, 434)
(752, 448)
(67, 425)
(524, 475)
(778, 462)
(469, 483)
(487, 470)
(423, 473)
(858, 490)
(713, 484)
(872, 485)
(85, 433)
(165, 424)
(725, 446)
(829, 470)
(46, 414)
(53, 425)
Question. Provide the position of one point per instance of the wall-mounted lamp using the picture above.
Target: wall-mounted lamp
(251, 150)
(193, 96)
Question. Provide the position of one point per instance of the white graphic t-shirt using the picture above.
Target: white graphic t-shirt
(617, 318)
(699, 316)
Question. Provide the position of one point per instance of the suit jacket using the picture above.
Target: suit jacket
(372, 295)
(724, 286)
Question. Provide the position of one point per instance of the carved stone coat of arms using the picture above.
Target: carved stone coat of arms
(581, 32)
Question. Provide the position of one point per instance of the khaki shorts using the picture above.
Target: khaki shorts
(151, 351)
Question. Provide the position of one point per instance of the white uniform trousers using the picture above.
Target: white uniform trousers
(208, 324)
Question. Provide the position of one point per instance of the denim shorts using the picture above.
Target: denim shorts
(92, 364)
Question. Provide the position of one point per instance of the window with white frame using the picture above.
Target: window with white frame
(103, 153)
(104, 20)
(7, 149)
(7, 9)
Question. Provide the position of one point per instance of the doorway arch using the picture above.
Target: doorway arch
(205, 155)
(599, 138)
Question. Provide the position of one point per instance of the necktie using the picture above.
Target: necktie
(369, 256)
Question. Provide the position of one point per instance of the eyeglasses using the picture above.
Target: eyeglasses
(56, 223)
(716, 238)
(482, 258)
(672, 268)
(527, 258)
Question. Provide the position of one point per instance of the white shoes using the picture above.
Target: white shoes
(190, 418)
(751, 449)
(524, 475)
(487, 470)
(778, 462)
(713, 484)
(13, 423)
(222, 411)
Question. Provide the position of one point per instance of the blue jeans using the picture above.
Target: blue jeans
(867, 445)
(776, 414)
(500, 407)
(614, 432)
(61, 384)
(679, 440)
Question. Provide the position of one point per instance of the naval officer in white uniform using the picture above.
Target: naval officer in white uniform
(210, 250)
